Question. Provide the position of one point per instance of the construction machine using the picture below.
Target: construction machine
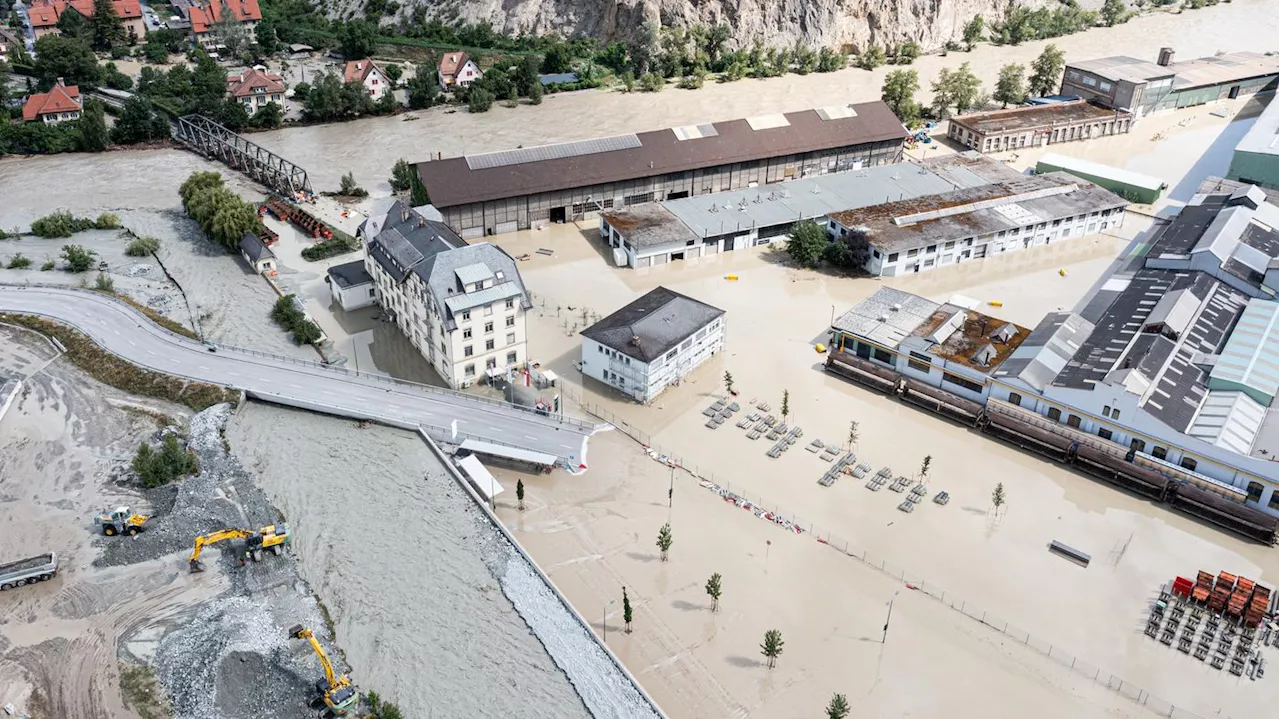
(271, 538)
(337, 693)
(121, 520)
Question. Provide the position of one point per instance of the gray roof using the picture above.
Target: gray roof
(402, 241)
(649, 226)
(253, 247)
(1199, 72)
(1264, 137)
(1043, 355)
(350, 274)
(887, 317)
(441, 275)
(652, 325)
(473, 273)
(1122, 67)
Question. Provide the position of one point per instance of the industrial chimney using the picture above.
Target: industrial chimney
(1166, 57)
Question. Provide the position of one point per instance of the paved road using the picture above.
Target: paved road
(126, 332)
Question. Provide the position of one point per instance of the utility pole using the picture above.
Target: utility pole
(671, 488)
(885, 635)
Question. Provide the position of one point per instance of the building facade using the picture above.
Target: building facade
(457, 69)
(206, 16)
(652, 343)
(462, 306)
(1036, 126)
(367, 73)
(45, 14)
(1142, 87)
(61, 103)
(1256, 159)
(255, 88)
(499, 192)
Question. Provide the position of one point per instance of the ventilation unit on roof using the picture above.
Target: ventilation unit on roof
(883, 318)
(897, 307)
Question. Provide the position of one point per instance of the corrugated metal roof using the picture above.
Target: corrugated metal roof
(499, 450)
(886, 317)
(506, 158)
(1097, 169)
(460, 302)
(1264, 137)
(1250, 361)
(1230, 420)
(473, 273)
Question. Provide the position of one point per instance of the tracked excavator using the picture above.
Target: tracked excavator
(271, 538)
(337, 693)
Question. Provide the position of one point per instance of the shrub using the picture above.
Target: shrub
(652, 82)
(107, 221)
(337, 245)
(19, 262)
(350, 188)
(104, 283)
(480, 100)
(287, 315)
(171, 462)
(57, 224)
(78, 258)
(48, 266)
(142, 246)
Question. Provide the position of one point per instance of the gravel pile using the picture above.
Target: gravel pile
(222, 495)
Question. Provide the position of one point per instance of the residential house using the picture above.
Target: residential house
(256, 253)
(255, 88)
(463, 306)
(45, 14)
(366, 72)
(206, 15)
(457, 69)
(351, 285)
(652, 343)
(59, 104)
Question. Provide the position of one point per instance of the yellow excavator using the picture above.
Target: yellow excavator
(271, 538)
(336, 690)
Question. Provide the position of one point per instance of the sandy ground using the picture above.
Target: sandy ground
(401, 558)
(61, 440)
(329, 151)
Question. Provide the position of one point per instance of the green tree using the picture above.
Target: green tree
(79, 259)
(924, 466)
(423, 90)
(829, 60)
(104, 283)
(233, 115)
(628, 80)
(1114, 13)
(264, 34)
(394, 73)
(108, 28)
(772, 647)
(714, 590)
(358, 39)
(652, 82)
(853, 434)
(535, 93)
(899, 93)
(957, 88)
(871, 59)
(557, 59)
(1011, 86)
(269, 116)
(908, 53)
(974, 30)
(997, 497)
(401, 176)
(71, 24)
(808, 240)
(728, 382)
(479, 100)
(838, 707)
(626, 611)
(786, 404)
(66, 58)
(349, 187)
(231, 221)
(665, 540)
(520, 493)
(93, 127)
(1046, 71)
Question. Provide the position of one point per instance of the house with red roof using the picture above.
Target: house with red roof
(205, 15)
(367, 73)
(60, 104)
(45, 14)
(255, 88)
(457, 69)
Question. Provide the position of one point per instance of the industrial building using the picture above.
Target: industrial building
(652, 343)
(1036, 125)
(1132, 186)
(1256, 159)
(1142, 87)
(499, 192)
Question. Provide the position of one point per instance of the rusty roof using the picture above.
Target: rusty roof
(1015, 119)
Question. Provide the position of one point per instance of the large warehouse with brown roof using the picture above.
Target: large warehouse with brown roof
(504, 191)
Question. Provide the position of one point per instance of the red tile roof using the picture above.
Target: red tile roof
(243, 85)
(59, 99)
(241, 10)
(358, 70)
(45, 13)
(451, 62)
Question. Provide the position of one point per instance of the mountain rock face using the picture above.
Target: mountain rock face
(851, 25)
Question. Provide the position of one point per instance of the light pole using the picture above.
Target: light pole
(671, 488)
(885, 635)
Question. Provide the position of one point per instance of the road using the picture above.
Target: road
(127, 333)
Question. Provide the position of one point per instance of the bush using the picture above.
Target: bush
(287, 315)
(53, 225)
(48, 266)
(107, 221)
(78, 258)
(171, 462)
(652, 82)
(104, 283)
(142, 246)
(350, 188)
(479, 100)
(337, 245)
(19, 262)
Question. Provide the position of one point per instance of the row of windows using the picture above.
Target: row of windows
(488, 327)
(470, 369)
(468, 350)
(968, 242)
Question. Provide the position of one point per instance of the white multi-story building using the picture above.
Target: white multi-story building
(463, 306)
(652, 343)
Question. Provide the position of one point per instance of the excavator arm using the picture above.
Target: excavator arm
(214, 538)
(329, 676)
(340, 696)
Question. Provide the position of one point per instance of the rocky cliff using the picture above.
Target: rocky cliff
(848, 24)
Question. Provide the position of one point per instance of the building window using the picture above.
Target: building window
(919, 362)
(1188, 463)
(1138, 445)
(600, 349)
(511, 338)
(961, 382)
(1104, 433)
(511, 321)
(467, 351)
(1255, 492)
(488, 327)
(1106, 410)
(466, 334)
(491, 363)
(1073, 421)
(1274, 502)
(882, 355)
(912, 253)
(671, 355)
(488, 345)
(469, 370)
(511, 358)
(1015, 399)
(466, 315)
(1159, 452)
(1055, 414)
(893, 257)
(1115, 413)
(488, 309)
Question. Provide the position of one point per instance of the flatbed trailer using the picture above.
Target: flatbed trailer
(39, 568)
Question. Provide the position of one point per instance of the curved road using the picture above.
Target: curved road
(127, 333)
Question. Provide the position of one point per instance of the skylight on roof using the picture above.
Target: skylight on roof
(768, 122)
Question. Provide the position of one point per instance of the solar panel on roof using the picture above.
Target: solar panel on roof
(506, 158)
(766, 122)
(836, 112)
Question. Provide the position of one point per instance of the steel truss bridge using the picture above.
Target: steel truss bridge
(217, 142)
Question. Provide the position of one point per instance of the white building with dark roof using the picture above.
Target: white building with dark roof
(351, 285)
(463, 306)
(652, 343)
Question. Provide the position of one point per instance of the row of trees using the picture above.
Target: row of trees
(223, 216)
(103, 31)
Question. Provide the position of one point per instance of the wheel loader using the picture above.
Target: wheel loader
(121, 520)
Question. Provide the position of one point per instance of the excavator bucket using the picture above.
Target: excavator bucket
(296, 631)
(196, 566)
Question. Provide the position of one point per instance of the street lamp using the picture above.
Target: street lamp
(885, 635)
(671, 488)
